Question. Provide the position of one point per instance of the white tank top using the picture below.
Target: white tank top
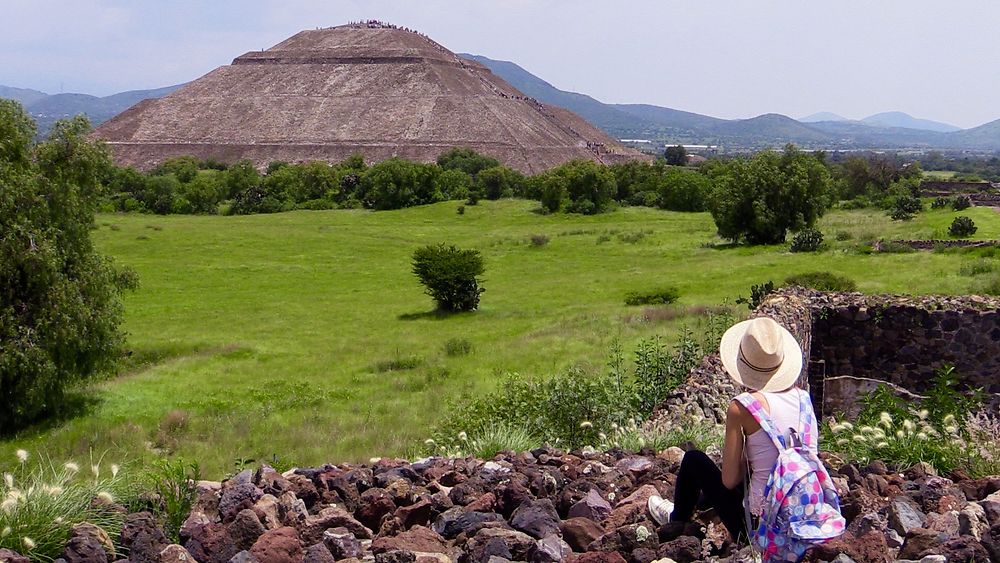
(783, 410)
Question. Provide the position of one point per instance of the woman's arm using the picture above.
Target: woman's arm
(733, 465)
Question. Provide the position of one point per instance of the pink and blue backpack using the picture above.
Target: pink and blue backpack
(801, 505)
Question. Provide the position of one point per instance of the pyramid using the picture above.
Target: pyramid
(368, 88)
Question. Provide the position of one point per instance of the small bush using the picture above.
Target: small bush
(962, 227)
(843, 235)
(977, 267)
(601, 239)
(539, 240)
(460, 210)
(892, 247)
(900, 214)
(457, 347)
(822, 281)
(940, 203)
(662, 296)
(807, 240)
(399, 364)
(501, 437)
(758, 292)
(450, 276)
(632, 238)
(961, 202)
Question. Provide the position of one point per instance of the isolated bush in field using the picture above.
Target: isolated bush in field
(402, 363)
(898, 214)
(60, 300)
(460, 210)
(662, 296)
(977, 267)
(759, 199)
(43, 499)
(940, 203)
(539, 240)
(962, 227)
(807, 240)
(961, 202)
(822, 281)
(457, 347)
(843, 235)
(450, 276)
(905, 207)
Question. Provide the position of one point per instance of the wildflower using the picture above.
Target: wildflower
(847, 425)
(900, 434)
(105, 497)
(114, 470)
(908, 425)
(586, 424)
(882, 445)
(867, 429)
(463, 436)
(951, 429)
(28, 543)
(842, 441)
(885, 419)
(860, 438)
(8, 480)
(949, 419)
(5, 532)
(921, 436)
(71, 467)
(603, 437)
(22, 456)
(96, 470)
(836, 428)
(922, 414)
(59, 520)
(53, 490)
(427, 442)
(8, 505)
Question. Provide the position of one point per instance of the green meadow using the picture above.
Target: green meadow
(304, 336)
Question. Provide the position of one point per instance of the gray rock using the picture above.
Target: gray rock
(551, 549)
(243, 557)
(318, 553)
(537, 518)
(245, 529)
(456, 521)
(972, 521)
(842, 558)
(342, 543)
(905, 515)
(236, 498)
(592, 506)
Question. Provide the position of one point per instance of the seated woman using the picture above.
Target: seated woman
(763, 357)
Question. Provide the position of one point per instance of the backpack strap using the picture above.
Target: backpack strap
(806, 418)
(760, 415)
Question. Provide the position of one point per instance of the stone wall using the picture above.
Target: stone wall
(931, 244)
(853, 343)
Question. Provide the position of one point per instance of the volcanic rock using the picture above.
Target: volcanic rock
(278, 546)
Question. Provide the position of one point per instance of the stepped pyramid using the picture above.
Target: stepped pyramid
(368, 88)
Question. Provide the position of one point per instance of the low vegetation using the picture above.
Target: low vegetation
(663, 296)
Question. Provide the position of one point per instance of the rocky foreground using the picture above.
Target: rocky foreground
(542, 506)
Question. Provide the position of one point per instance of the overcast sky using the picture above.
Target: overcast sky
(732, 59)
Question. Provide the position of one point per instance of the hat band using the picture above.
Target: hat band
(743, 357)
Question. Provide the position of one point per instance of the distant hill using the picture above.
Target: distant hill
(822, 116)
(905, 120)
(820, 130)
(46, 109)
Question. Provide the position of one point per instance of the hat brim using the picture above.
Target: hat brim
(783, 378)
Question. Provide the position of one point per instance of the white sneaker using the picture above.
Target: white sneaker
(660, 509)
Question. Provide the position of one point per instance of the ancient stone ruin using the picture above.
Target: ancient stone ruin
(365, 88)
(853, 342)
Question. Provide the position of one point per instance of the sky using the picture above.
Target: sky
(728, 58)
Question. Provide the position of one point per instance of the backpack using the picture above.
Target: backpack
(801, 505)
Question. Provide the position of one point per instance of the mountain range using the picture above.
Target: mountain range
(660, 125)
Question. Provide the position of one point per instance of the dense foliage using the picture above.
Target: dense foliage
(450, 276)
(60, 306)
(759, 199)
(807, 240)
(962, 227)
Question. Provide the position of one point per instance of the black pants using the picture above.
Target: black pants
(700, 477)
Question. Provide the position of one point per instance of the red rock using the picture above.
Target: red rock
(632, 508)
(175, 554)
(485, 503)
(375, 504)
(278, 546)
(211, 543)
(596, 557)
(417, 538)
(580, 532)
(8, 556)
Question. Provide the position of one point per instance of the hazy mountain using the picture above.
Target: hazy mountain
(675, 118)
(900, 119)
(986, 136)
(822, 116)
(46, 109)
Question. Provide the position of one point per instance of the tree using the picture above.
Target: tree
(466, 160)
(589, 186)
(60, 301)
(759, 199)
(450, 276)
(396, 183)
(676, 155)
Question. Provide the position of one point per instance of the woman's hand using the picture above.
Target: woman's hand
(733, 464)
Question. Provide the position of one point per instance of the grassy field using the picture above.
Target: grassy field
(271, 335)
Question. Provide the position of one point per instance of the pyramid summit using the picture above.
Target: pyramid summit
(368, 88)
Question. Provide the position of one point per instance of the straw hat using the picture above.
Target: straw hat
(761, 354)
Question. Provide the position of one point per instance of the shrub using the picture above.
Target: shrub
(60, 300)
(588, 187)
(460, 210)
(539, 240)
(466, 160)
(500, 437)
(893, 247)
(822, 281)
(977, 267)
(758, 292)
(962, 227)
(633, 237)
(450, 276)
(175, 483)
(43, 500)
(905, 207)
(457, 347)
(843, 235)
(899, 214)
(403, 363)
(807, 240)
(961, 202)
(662, 296)
(940, 203)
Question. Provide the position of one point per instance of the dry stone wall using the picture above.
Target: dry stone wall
(853, 343)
